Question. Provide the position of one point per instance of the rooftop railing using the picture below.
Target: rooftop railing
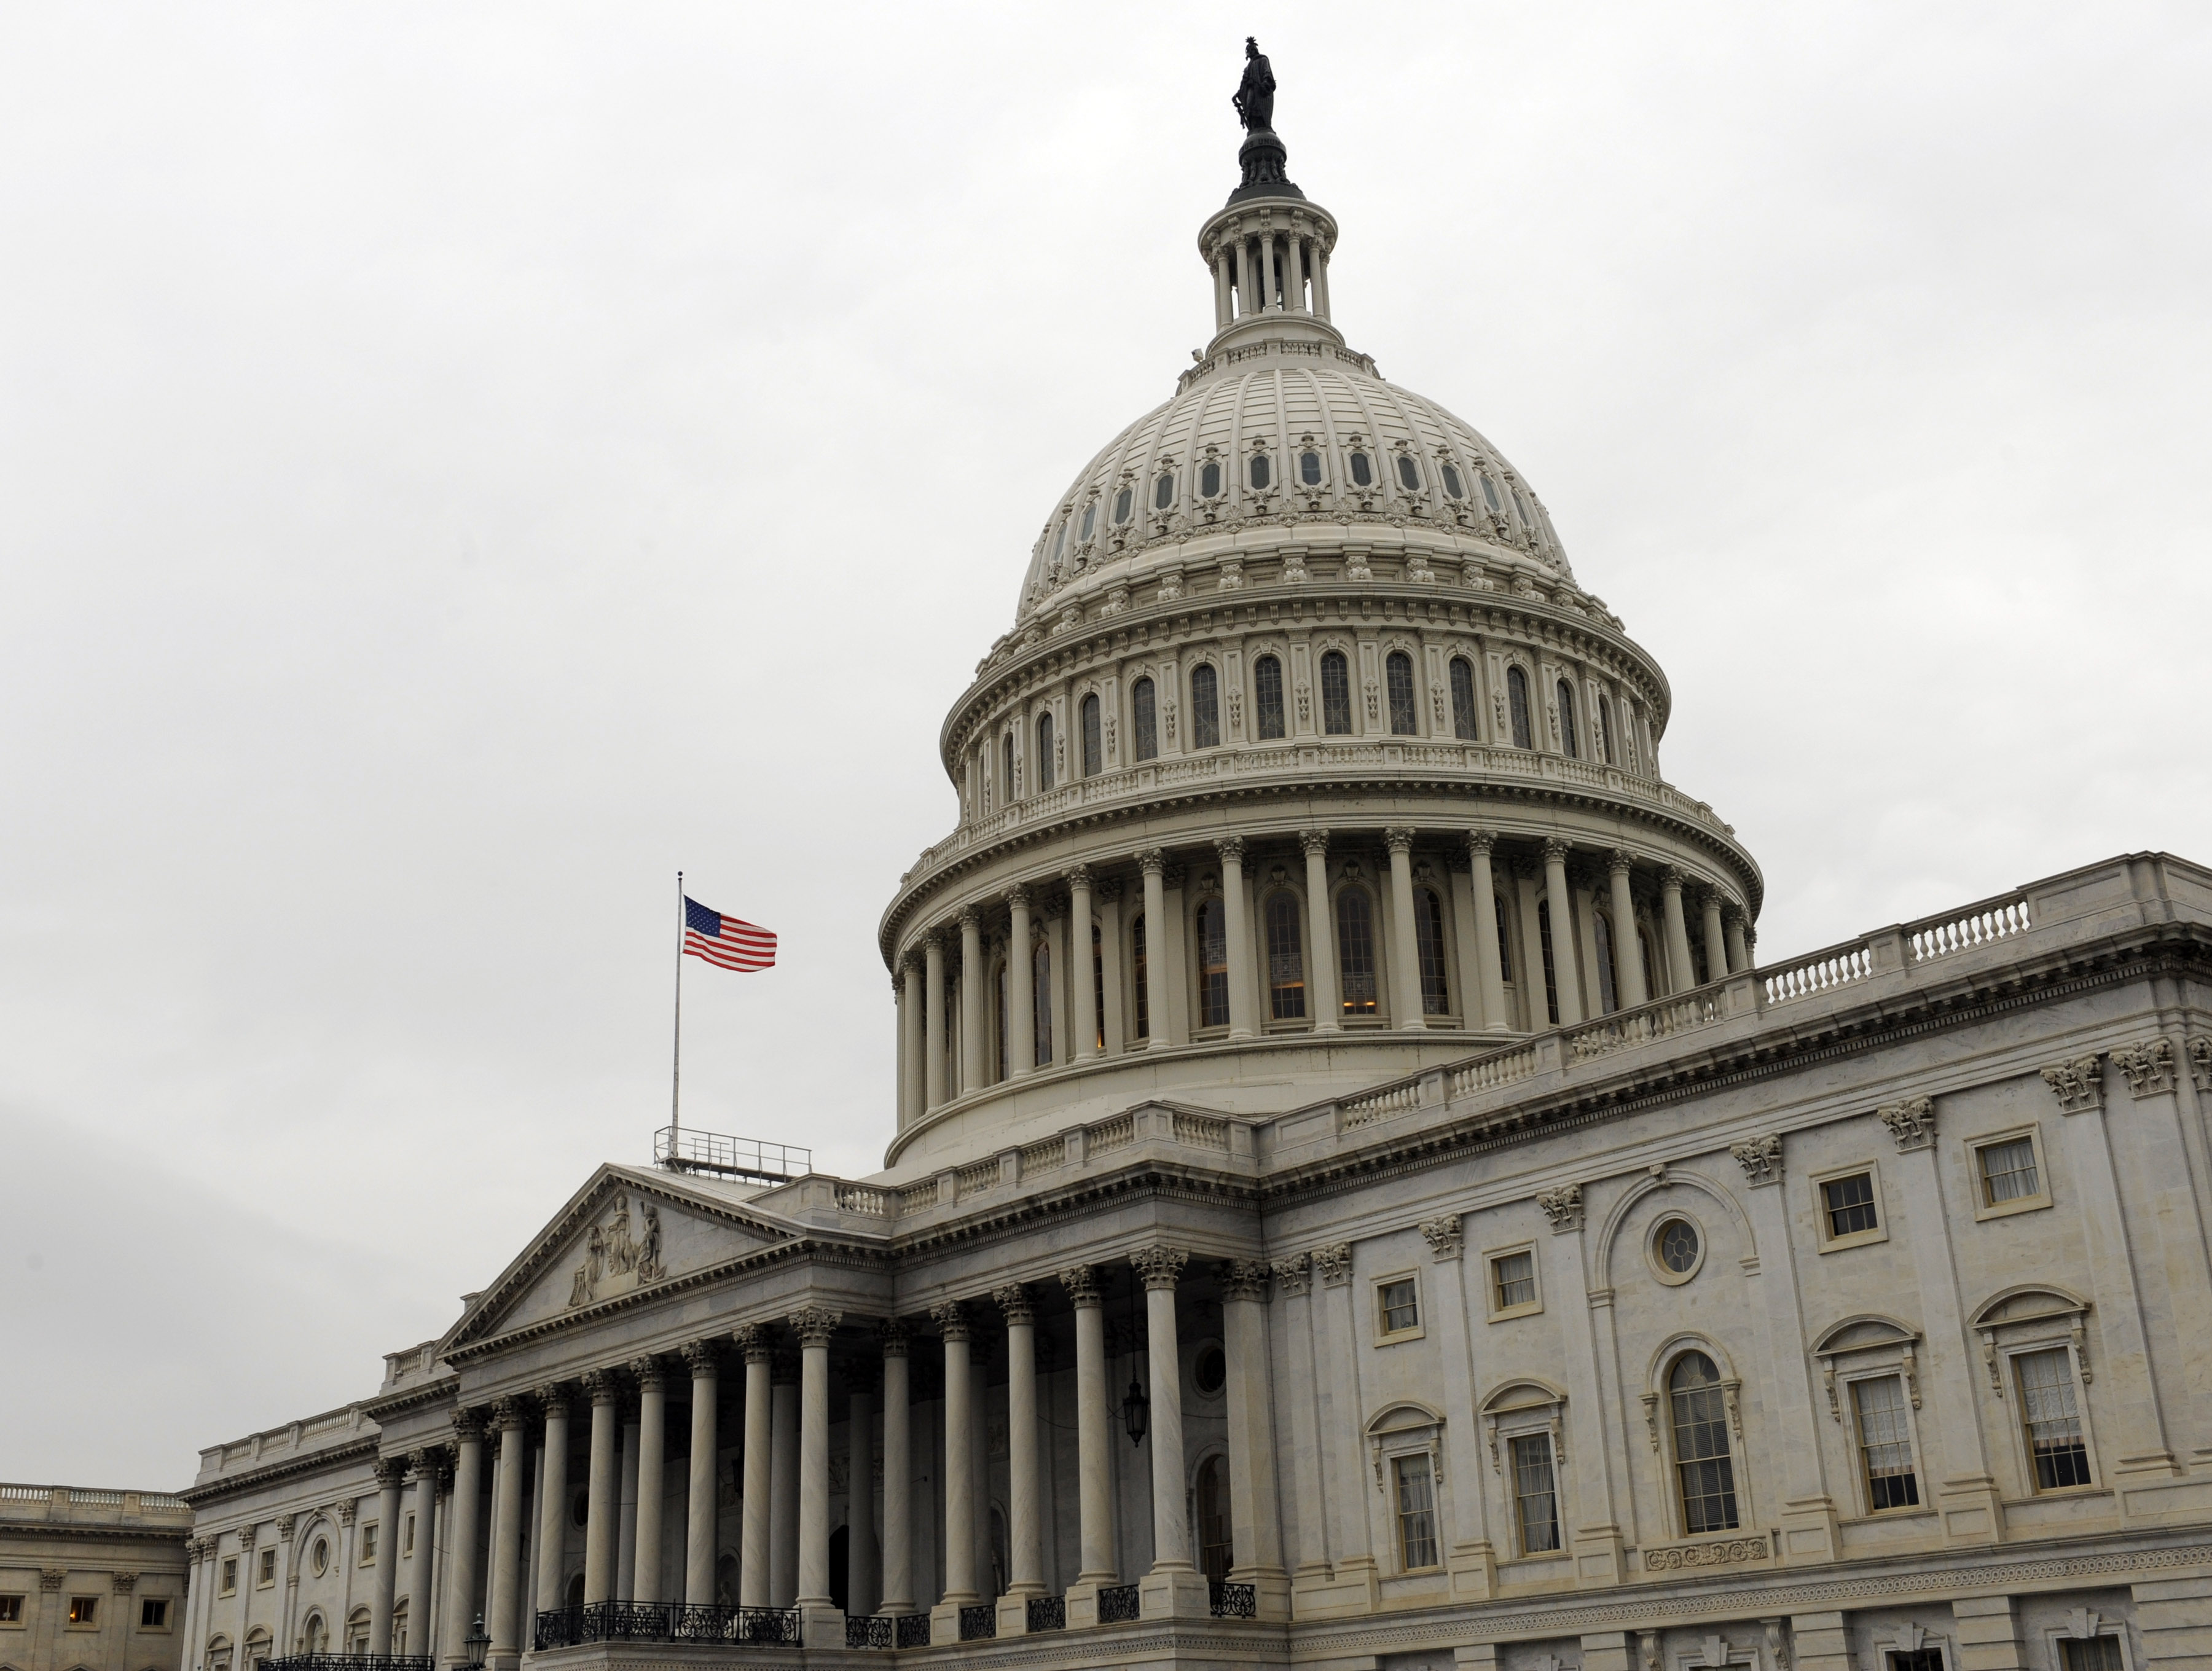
(680, 1149)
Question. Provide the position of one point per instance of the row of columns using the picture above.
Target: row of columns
(1267, 274)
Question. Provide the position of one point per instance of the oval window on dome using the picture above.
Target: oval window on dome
(1258, 469)
(1089, 519)
(1409, 472)
(1489, 492)
(1209, 480)
(1309, 468)
(1163, 491)
(1122, 506)
(1452, 482)
(1362, 472)
(1059, 544)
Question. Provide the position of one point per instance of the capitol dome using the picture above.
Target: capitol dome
(1306, 727)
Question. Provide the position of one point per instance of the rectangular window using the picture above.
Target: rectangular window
(407, 1535)
(1138, 983)
(84, 1609)
(368, 1544)
(2051, 1419)
(1401, 1307)
(2008, 1171)
(1417, 1513)
(1513, 1280)
(230, 1575)
(1268, 696)
(11, 1609)
(1919, 1659)
(267, 1575)
(154, 1614)
(1535, 1494)
(1885, 1444)
(2096, 1653)
(1847, 1204)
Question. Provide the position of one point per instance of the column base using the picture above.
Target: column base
(821, 1625)
(1174, 1592)
(1270, 1591)
(1808, 1531)
(945, 1619)
(1082, 1604)
(1972, 1509)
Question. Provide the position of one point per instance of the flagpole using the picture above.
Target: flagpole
(676, 1074)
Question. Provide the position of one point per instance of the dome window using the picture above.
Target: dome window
(1398, 672)
(1409, 472)
(1309, 468)
(1205, 707)
(1489, 492)
(1335, 695)
(1363, 472)
(1090, 521)
(1122, 506)
(1209, 480)
(1567, 721)
(1143, 718)
(1516, 702)
(1462, 699)
(1268, 696)
(1453, 485)
(1258, 469)
(1163, 491)
(1089, 714)
(1061, 543)
(1044, 752)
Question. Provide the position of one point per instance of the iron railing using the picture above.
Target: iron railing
(1226, 1600)
(680, 1149)
(1117, 1604)
(978, 1624)
(349, 1663)
(1047, 1613)
(914, 1630)
(654, 1622)
(867, 1629)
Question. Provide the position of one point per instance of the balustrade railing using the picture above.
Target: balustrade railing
(1662, 1019)
(662, 1621)
(1380, 1105)
(913, 1630)
(349, 1662)
(1117, 1604)
(868, 1630)
(1500, 1067)
(1227, 1601)
(1824, 971)
(1976, 925)
(1047, 1613)
(979, 1623)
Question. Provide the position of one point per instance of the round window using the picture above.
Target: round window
(322, 1555)
(1677, 1249)
(1209, 1371)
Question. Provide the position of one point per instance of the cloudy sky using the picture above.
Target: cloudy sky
(459, 464)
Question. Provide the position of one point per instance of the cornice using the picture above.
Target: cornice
(43, 1530)
(1156, 1180)
(269, 1473)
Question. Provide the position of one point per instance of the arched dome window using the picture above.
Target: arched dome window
(1040, 974)
(1144, 720)
(1355, 951)
(1163, 491)
(1043, 752)
(1698, 1408)
(1517, 703)
(1550, 968)
(1268, 696)
(1363, 471)
(1121, 501)
(1213, 964)
(1398, 671)
(1608, 997)
(1453, 485)
(1566, 694)
(1429, 937)
(1098, 984)
(1089, 519)
(1462, 698)
(1005, 1065)
(1006, 769)
(1092, 756)
(1205, 707)
(1209, 480)
(1409, 472)
(1140, 981)
(1605, 728)
(1286, 958)
(1310, 468)
(1261, 471)
(1335, 695)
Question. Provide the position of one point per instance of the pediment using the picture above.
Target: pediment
(624, 1234)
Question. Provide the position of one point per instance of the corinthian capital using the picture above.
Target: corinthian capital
(1082, 1286)
(1018, 897)
(509, 1414)
(1077, 876)
(1231, 849)
(1398, 839)
(1619, 861)
(1480, 842)
(756, 1340)
(1153, 862)
(701, 1357)
(1244, 1279)
(952, 1320)
(815, 1324)
(1556, 849)
(1314, 842)
(1160, 1267)
(1015, 1301)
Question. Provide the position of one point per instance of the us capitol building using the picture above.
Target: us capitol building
(1358, 1200)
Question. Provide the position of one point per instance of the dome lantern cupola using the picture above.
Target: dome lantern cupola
(1268, 249)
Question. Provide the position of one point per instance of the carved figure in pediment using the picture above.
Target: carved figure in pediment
(615, 1261)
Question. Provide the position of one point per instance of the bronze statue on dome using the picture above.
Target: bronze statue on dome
(1254, 97)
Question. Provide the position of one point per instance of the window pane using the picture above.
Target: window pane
(1258, 469)
(1205, 707)
(1335, 695)
(1041, 970)
(1416, 1513)
(1092, 750)
(1400, 1310)
(1309, 468)
(2096, 1653)
(1138, 978)
(1429, 932)
(1089, 519)
(1213, 964)
(1601, 932)
(1515, 1276)
(1286, 961)
(1703, 1467)
(1398, 671)
(1409, 473)
(1209, 480)
(1121, 506)
(1550, 968)
(1044, 752)
(1452, 482)
(1162, 493)
(1516, 699)
(2008, 1171)
(1884, 1444)
(1144, 721)
(1678, 1246)
(1007, 768)
(1504, 947)
(1566, 693)
(1363, 473)
(1535, 1495)
(2053, 1423)
(1267, 694)
(1462, 699)
(1355, 951)
(1849, 1203)
(1489, 493)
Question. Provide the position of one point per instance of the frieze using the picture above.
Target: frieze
(616, 1261)
(1731, 1552)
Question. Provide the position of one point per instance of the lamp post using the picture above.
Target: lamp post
(478, 1645)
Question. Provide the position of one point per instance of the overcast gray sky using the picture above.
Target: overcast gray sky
(459, 464)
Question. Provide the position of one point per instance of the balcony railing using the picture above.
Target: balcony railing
(868, 1630)
(1226, 1600)
(914, 1630)
(663, 1621)
(349, 1662)
(1117, 1604)
(1047, 1613)
(978, 1624)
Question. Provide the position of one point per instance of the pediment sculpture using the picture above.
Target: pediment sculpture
(617, 1260)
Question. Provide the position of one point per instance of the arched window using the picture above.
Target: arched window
(1362, 472)
(1259, 471)
(1398, 671)
(1139, 982)
(1605, 729)
(1286, 959)
(1698, 1408)
(1429, 932)
(1098, 985)
(1489, 493)
(1145, 720)
(1309, 468)
(318, 1635)
(1092, 753)
(1209, 480)
(1452, 483)
(399, 1630)
(1517, 702)
(1215, 1551)
(1550, 968)
(1163, 491)
(1504, 945)
(1567, 721)
(1122, 506)
(1041, 976)
(1268, 696)
(1213, 964)
(1205, 707)
(1089, 519)
(357, 1630)
(1462, 695)
(1355, 951)
(1043, 752)
(1608, 996)
(1006, 769)
(1409, 472)
(1335, 695)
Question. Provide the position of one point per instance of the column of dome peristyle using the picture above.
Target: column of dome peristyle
(1238, 247)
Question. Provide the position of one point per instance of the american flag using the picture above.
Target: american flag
(724, 941)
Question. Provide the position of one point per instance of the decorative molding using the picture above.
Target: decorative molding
(1231, 847)
(1911, 1122)
(1160, 1267)
(49, 1577)
(2199, 1060)
(2078, 1082)
(390, 1472)
(1332, 1263)
(1760, 1158)
(469, 1426)
(1563, 1207)
(1082, 1286)
(1731, 1551)
(1443, 1235)
(1480, 842)
(347, 1509)
(2148, 1066)
(1293, 1276)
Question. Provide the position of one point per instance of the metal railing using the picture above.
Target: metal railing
(680, 1149)
(1117, 1604)
(978, 1624)
(349, 1662)
(868, 1630)
(1047, 1613)
(652, 1621)
(1226, 1601)
(913, 1630)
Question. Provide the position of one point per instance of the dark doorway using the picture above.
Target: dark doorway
(840, 1568)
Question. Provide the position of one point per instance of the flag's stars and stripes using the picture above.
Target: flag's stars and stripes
(726, 942)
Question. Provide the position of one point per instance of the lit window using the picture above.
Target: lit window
(1286, 960)
(1355, 951)
(1513, 1279)
(1884, 1444)
(1517, 702)
(1335, 695)
(1089, 519)
(1704, 1471)
(1535, 1494)
(1122, 506)
(1164, 492)
(1209, 480)
(1144, 720)
(1309, 468)
(1462, 699)
(1040, 977)
(84, 1609)
(1089, 714)
(2008, 1172)
(2051, 1419)
(1566, 693)
(1676, 1243)
(1848, 1205)
(2093, 1653)
(1268, 696)
(1138, 981)
(1398, 671)
(11, 1609)
(1362, 472)
(1429, 936)
(1205, 707)
(1043, 752)
(1400, 1305)
(1417, 1513)
(1452, 484)
(153, 1614)
(1213, 965)
(1409, 473)
(1258, 469)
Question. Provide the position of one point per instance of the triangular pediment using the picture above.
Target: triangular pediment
(627, 1234)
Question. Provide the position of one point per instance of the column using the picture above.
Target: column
(1267, 272)
(1406, 1005)
(753, 1557)
(1025, 1543)
(1153, 863)
(1244, 308)
(1321, 934)
(1021, 989)
(898, 1473)
(651, 1452)
(1715, 946)
(1255, 1523)
(1566, 974)
(782, 1480)
(1320, 279)
(814, 1325)
(1094, 1436)
(951, 1321)
(626, 1509)
(1173, 1588)
(702, 1519)
(914, 1059)
(934, 1017)
(860, 1587)
(511, 1420)
(1237, 922)
(1294, 282)
(1682, 973)
(422, 1574)
(603, 1484)
(462, 1572)
(1490, 975)
(1739, 943)
(552, 1499)
(391, 1470)
(974, 982)
(1082, 1025)
(1627, 966)
(1109, 965)
(1222, 302)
